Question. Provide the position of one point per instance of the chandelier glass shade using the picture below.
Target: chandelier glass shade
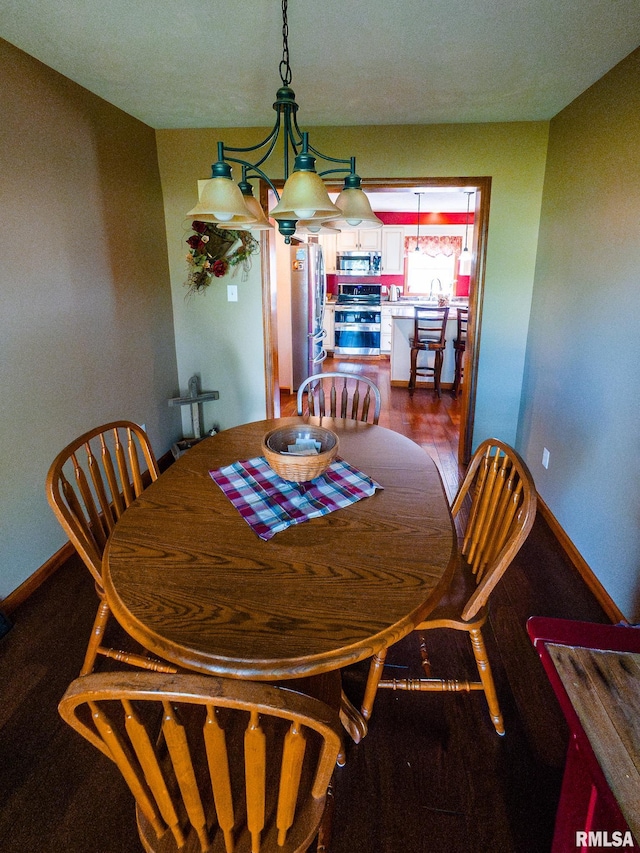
(304, 195)
(260, 223)
(220, 201)
(307, 226)
(355, 207)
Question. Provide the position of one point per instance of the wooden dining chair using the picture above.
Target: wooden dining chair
(499, 495)
(459, 347)
(340, 395)
(429, 335)
(214, 764)
(90, 484)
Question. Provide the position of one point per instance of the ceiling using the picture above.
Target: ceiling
(211, 63)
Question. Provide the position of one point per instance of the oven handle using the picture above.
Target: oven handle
(357, 327)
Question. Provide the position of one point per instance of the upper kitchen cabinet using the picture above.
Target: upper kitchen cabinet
(392, 250)
(353, 241)
(328, 243)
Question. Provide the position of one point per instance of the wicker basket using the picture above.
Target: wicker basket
(299, 469)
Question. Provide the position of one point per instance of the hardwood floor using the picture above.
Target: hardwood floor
(431, 775)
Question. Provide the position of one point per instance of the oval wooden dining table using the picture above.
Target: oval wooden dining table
(187, 577)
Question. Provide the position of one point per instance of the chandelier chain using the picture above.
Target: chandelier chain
(285, 68)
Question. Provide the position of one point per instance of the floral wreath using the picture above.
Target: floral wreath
(210, 254)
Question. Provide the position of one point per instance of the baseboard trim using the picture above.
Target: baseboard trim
(402, 383)
(22, 593)
(602, 596)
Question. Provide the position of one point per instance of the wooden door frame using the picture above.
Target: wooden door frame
(482, 189)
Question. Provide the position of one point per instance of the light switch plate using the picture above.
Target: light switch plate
(232, 293)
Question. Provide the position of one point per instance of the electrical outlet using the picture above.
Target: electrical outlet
(545, 457)
(232, 293)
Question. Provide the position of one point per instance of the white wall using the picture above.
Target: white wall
(581, 392)
(221, 341)
(86, 332)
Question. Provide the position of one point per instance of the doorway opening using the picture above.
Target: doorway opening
(476, 188)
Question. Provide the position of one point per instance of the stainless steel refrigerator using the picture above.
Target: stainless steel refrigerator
(308, 294)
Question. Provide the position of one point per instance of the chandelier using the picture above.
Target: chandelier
(304, 196)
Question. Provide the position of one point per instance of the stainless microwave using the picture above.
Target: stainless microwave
(359, 263)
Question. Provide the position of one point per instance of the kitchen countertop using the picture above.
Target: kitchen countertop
(408, 302)
(427, 303)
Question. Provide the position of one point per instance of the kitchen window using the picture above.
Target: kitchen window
(430, 275)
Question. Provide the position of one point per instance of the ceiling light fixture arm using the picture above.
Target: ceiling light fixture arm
(303, 196)
(295, 142)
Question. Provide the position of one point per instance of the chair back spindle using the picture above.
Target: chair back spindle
(429, 336)
(213, 763)
(340, 395)
(430, 325)
(502, 497)
(459, 347)
(90, 484)
(93, 480)
(503, 508)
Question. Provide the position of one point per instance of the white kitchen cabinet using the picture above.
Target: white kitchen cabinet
(386, 324)
(392, 250)
(369, 240)
(328, 243)
(329, 326)
(389, 311)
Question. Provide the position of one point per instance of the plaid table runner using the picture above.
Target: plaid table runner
(270, 504)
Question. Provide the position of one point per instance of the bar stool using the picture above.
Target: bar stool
(430, 326)
(459, 346)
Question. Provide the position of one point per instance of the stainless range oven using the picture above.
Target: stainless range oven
(357, 320)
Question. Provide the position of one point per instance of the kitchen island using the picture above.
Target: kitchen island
(402, 322)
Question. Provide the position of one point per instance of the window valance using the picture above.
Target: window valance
(434, 245)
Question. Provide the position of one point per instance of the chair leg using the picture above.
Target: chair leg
(352, 720)
(457, 380)
(97, 632)
(486, 677)
(424, 655)
(414, 368)
(326, 824)
(375, 674)
(437, 371)
(94, 648)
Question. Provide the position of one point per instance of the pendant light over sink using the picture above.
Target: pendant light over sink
(465, 256)
(304, 195)
(417, 249)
